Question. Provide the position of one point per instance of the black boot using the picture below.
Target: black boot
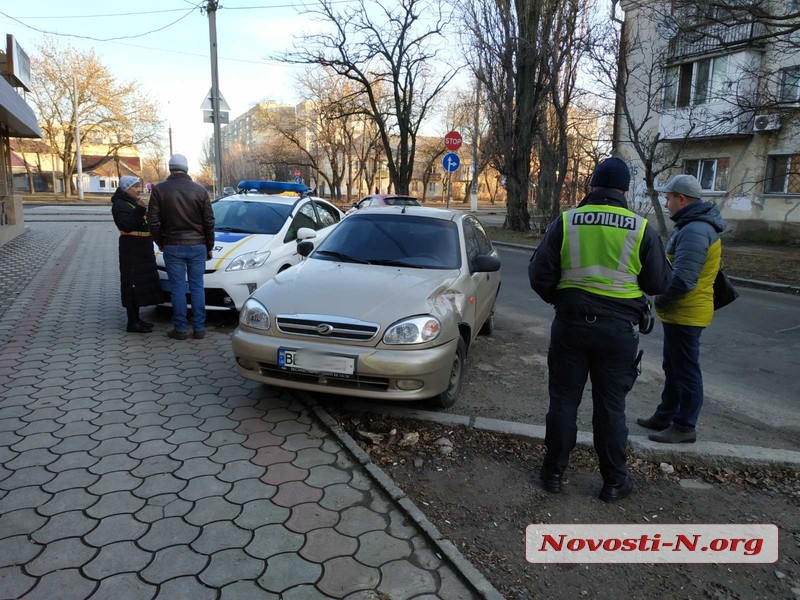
(136, 327)
(144, 323)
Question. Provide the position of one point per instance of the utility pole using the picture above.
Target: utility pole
(211, 9)
(78, 160)
(475, 137)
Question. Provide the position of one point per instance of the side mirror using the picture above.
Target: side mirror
(355, 204)
(305, 233)
(485, 263)
(304, 248)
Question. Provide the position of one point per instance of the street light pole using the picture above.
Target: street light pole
(211, 9)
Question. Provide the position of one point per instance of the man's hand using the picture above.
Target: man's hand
(209, 255)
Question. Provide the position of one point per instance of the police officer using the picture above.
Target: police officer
(595, 263)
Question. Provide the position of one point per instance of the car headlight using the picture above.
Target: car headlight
(254, 314)
(416, 330)
(251, 260)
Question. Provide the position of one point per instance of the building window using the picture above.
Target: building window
(712, 173)
(432, 186)
(783, 174)
(790, 85)
(696, 83)
(102, 183)
(113, 183)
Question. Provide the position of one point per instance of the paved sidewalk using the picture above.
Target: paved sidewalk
(134, 466)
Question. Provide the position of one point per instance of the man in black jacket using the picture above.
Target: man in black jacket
(182, 226)
(595, 263)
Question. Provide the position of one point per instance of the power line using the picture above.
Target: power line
(88, 37)
(128, 14)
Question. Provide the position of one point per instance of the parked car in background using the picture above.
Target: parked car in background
(387, 306)
(228, 191)
(256, 236)
(383, 200)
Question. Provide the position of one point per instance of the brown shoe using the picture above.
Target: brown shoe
(177, 335)
(199, 334)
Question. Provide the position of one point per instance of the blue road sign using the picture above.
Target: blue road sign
(450, 162)
(298, 180)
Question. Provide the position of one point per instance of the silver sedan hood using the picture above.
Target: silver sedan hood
(372, 293)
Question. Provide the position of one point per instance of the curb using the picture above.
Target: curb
(706, 454)
(768, 286)
(461, 565)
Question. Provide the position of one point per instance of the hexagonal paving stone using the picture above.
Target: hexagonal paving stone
(68, 584)
(169, 532)
(63, 525)
(246, 590)
(116, 528)
(230, 566)
(221, 535)
(232, 452)
(254, 425)
(274, 539)
(212, 509)
(306, 517)
(204, 487)
(288, 570)
(27, 476)
(20, 522)
(324, 544)
(261, 512)
(358, 519)
(400, 579)
(127, 586)
(115, 503)
(186, 587)
(115, 462)
(301, 441)
(153, 465)
(24, 497)
(326, 475)
(119, 557)
(284, 472)
(240, 469)
(18, 550)
(378, 547)
(14, 582)
(250, 489)
(262, 439)
(296, 492)
(340, 496)
(344, 575)
(159, 484)
(116, 481)
(62, 554)
(175, 561)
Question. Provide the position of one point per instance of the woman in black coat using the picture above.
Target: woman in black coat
(138, 275)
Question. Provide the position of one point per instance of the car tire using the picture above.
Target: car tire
(488, 326)
(449, 396)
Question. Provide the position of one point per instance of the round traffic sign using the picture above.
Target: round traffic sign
(452, 141)
(450, 162)
(297, 173)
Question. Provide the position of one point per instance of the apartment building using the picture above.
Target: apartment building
(719, 84)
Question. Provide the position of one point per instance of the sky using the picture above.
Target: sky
(172, 66)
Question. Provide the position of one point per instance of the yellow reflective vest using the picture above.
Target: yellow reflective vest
(600, 251)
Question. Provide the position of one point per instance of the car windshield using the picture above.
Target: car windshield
(393, 240)
(402, 201)
(250, 217)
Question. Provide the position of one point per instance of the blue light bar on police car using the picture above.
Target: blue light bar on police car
(273, 187)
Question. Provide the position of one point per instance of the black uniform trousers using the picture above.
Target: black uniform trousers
(604, 349)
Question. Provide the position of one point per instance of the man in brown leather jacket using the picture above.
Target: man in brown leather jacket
(182, 226)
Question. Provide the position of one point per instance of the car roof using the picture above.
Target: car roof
(420, 211)
(384, 196)
(269, 198)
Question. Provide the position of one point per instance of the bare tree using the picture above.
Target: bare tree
(385, 45)
(117, 111)
(508, 52)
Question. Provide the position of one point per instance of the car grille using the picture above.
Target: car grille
(326, 327)
(352, 382)
(164, 270)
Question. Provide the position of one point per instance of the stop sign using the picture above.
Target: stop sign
(452, 141)
(297, 173)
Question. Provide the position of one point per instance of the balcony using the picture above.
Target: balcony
(715, 37)
(706, 121)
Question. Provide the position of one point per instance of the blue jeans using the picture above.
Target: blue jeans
(682, 397)
(179, 261)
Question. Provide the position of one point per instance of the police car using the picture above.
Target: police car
(256, 232)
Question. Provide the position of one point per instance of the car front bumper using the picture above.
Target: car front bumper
(379, 372)
(224, 290)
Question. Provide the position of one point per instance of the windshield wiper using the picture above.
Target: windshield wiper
(232, 230)
(393, 263)
(342, 257)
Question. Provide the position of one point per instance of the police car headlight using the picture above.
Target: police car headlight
(251, 260)
(416, 330)
(254, 314)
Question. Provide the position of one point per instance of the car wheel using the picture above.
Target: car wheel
(488, 325)
(448, 397)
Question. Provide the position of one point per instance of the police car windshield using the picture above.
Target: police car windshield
(250, 217)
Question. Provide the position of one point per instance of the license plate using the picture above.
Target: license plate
(315, 362)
